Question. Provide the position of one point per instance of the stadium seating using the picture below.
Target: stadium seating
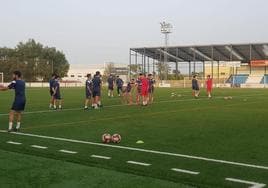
(238, 79)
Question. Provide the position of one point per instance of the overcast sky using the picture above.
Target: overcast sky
(98, 31)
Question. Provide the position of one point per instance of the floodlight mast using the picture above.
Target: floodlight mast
(166, 29)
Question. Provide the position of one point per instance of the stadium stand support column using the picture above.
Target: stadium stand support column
(212, 57)
(190, 70)
(148, 65)
(136, 62)
(194, 61)
(204, 69)
(129, 71)
(218, 72)
(143, 60)
(154, 62)
(176, 63)
(250, 58)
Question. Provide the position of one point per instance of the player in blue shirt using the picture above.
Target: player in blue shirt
(195, 87)
(110, 81)
(19, 101)
(96, 82)
(56, 93)
(51, 83)
(119, 85)
(89, 88)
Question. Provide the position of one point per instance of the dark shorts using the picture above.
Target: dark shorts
(96, 93)
(88, 95)
(18, 105)
(110, 87)
(51, 93)
(196, 88)
(57, 96)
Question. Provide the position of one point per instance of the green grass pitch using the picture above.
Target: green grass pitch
(206, 140)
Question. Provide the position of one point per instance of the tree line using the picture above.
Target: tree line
(36, 61)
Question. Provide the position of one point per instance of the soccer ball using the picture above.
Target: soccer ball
(116, 138)
(230, 98)
(106, 138)
(225, 98)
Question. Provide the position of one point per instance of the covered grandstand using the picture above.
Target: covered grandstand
(246, 63)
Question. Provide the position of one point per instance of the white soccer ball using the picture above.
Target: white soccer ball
(106, 138)
(116, 138)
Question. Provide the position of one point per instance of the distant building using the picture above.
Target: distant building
(77, 73)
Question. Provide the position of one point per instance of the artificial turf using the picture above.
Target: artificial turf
(234, 130)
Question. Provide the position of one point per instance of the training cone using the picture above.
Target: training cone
(139, 142)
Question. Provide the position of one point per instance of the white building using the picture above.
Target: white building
(77, 73)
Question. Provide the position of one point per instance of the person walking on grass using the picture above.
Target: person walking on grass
(119, 85)
(89, 92)
(195, 87)
(96, 82)
(110, 81)
(57, 94)
(19, 102)
(51, 83)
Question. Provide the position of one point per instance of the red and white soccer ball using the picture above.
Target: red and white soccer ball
(116, 138)
(106, 138)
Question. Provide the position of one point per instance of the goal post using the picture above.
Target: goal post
(1, 77)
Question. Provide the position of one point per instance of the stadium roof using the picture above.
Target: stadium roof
(200, 53)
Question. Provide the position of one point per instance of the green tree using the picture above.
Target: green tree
(35, 61)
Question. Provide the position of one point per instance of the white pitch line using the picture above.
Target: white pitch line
(15, 143)
(100, 157)
(185, 171)
(119, 105)
(252, 183)
(67, 151)
(38, 147)
(138, 163)
(142, 150)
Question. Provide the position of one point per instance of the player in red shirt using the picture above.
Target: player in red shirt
(209, 85)
(144, 90)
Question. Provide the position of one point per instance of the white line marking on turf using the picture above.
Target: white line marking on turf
(15, 143)
(253, 184)
(67, 151)
(185, 171)
(38, 147)
(138, 163)
(100, 157)
(118, 105)
(142, 150)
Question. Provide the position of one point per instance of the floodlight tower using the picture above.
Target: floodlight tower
(166, 29)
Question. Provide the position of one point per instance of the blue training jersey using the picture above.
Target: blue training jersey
(56, 86)
(19, 87)
(51, 83)
(89, 86)
(96, 82)
(110, 81)
(119, 82)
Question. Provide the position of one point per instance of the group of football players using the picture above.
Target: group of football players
(142, 88)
